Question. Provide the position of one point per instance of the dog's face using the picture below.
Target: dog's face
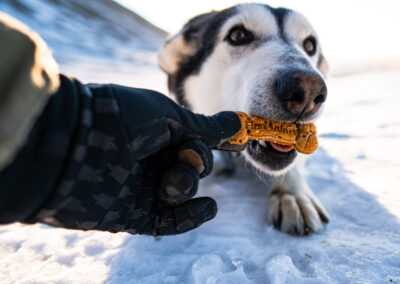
(266, 62)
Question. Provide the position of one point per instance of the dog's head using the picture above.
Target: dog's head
(253, 58)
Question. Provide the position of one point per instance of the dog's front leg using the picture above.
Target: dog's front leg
(292, 206)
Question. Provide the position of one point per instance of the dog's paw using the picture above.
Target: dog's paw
(295, 213)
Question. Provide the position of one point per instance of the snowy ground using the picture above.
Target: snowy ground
(355, 173)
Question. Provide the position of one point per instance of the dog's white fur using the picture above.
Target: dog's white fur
(232, 78)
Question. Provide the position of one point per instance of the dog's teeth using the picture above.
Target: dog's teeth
(262, 143)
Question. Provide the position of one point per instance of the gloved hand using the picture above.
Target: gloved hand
(134, 163)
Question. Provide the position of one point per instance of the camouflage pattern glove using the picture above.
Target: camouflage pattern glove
(134, 164)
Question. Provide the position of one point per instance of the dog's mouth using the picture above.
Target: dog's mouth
(274, 156)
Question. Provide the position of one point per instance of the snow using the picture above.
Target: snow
(361, 129)
(355, 173)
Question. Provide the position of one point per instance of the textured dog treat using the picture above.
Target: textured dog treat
(306, 139)
(303, 137)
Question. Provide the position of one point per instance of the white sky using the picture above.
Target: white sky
(350, 30)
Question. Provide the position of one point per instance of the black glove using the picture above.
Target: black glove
(134, 163)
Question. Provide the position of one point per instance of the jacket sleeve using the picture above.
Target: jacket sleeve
(33, 175)
(28, 76)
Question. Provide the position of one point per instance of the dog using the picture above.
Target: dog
(267, 62)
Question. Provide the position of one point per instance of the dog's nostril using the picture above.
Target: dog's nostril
(297, 97)
(319, 99)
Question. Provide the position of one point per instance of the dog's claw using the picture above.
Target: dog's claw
(323, 217)
(295, 230)
(276, 224)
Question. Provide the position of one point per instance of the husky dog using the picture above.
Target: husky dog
(268, 63)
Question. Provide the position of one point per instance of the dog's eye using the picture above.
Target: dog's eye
(238, 35)
(310, 45)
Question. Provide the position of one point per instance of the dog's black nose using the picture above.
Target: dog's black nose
(301, 93)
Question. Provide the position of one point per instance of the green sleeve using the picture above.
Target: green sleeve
(28, 76)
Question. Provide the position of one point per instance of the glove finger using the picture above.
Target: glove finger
(212, 130)
(185, 217)
(178, 184)
(170, 123)
(198, 155)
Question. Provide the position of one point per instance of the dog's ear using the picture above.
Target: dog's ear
(323, 65)
(184, 43)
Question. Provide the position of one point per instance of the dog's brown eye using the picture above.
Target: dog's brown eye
(310, 45)
(238, 35)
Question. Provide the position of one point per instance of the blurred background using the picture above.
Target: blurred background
(351, 31)
(117, 41)
(356, 35)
